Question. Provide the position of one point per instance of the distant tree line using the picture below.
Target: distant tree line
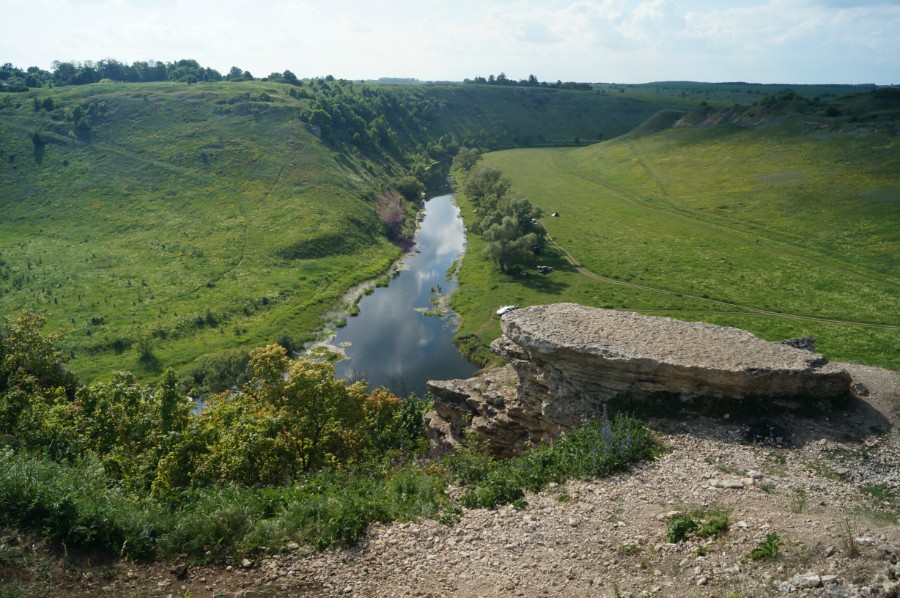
(531, 81)
(15, 79)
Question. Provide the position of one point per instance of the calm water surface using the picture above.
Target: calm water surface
(393, 342)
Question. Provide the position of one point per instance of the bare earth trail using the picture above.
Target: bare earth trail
(755, 310)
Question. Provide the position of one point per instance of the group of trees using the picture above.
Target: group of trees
(13, 78)
(377, 123)
(531, 81)
(508, 225)
(291, 418)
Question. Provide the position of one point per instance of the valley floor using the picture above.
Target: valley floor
(828, 486)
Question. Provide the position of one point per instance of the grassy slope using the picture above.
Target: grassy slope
(142, 231)
(169, 223)
(495, 116)
(728, 94)
(796, 223)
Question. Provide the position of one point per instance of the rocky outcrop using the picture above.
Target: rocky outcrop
(569, 361)
(488, 406)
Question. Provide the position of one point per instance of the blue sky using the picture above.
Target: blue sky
(776, 41)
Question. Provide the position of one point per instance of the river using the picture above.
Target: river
(399, 339)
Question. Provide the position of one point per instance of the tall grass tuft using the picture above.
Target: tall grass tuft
(599, 448)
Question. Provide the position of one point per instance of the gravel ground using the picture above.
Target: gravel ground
(800, 478)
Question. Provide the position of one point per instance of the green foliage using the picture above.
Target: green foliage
(597, 449)
(78, 504)
(125, 468)
(213, 373)
(219, 199)
(508, 226)
(470, 463)
(767, 550)
(798, 501)
(410, 188)
(486, 183)
(74, 504)
(507, 245)
(29, 359)
(466, 158)
(701, 523)
(680, 528)
(654, 237)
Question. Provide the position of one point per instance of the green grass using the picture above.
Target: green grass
(728, 94)
(172, 222)
(201, 218)
(712, 224)
(596, 450)
(79, 505)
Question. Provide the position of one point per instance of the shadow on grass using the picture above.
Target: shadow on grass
(544, 283)
(150, 363)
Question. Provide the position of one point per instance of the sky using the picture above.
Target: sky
(615, 41)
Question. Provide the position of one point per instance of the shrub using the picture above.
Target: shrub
(704, 524)
(767, 550)
(75, 504)
(680, 528)
(597, 449)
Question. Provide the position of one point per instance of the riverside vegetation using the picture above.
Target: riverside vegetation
(160, 222)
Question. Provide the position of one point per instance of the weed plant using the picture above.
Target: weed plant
(768, 549)
(77, 503)
(597, 449)
(700, 523)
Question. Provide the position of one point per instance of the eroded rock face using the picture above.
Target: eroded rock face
(489, 406)
(570, 360)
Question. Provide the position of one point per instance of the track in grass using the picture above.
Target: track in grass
(571, 259)
(784, 233)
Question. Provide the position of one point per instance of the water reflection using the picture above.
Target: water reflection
(392, 342)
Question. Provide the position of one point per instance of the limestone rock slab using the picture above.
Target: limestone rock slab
(567, 361)
(592, 353)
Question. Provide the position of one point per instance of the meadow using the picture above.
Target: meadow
(156, 223)
(162, 238)
(785, 231)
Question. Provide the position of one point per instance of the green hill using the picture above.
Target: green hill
(159, 222)
(787, 225)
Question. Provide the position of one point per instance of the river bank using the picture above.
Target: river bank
(398, 331)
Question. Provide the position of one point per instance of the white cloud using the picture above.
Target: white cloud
(612, 40)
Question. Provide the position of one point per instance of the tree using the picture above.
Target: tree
(318, 415)
(486, 182)
(466, 158)
(29, 359)
(172, 407)
(410, 188)
(506, 243)
(39, 143)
